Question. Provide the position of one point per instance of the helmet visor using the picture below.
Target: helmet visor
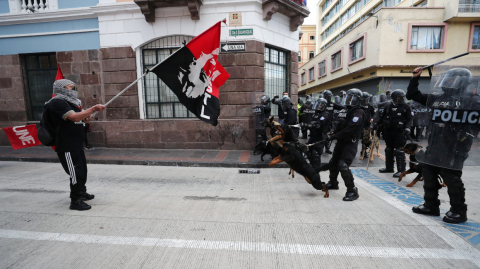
(319, 105)
(451, 81)
(351, 100)
(399, 100)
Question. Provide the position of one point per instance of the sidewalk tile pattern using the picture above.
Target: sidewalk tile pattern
(469, 230)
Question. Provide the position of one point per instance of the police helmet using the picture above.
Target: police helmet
(353, 98)
(454, 81)
(328, 96)
(382, 98)
(365, 98)
(398, 97)
(342, 94)
(300, 101)
(264, 100)
(320, 96)
(338, 100)
(286, 103)
(321, 104)
(308, 100)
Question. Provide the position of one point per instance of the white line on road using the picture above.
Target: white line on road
(328, 250)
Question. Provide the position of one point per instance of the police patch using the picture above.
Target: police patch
(413, 114)
(355, 119)
(322, 118)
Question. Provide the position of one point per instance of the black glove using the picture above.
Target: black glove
(406, 131)
(374, 127)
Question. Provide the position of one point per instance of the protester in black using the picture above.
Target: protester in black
(65, 115)
(347, 135)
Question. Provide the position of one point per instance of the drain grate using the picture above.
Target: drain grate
(249, 171)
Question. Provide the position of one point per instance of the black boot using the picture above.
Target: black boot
(332, 185)
(79, 204)
(401, 162)
(333, 182)
(351, 195)
(456, 215)
(87, 197)
(388, 161)
(422, 209)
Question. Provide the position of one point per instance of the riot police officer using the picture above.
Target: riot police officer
(265, 102)
(397, 119)
(307, 111)
(382, 103)
(420, 119)
(369, 114)
(347, 135)
(290, 116)
(261, 112)
(300, 115)
(331, 106)
(319, 128)
(449, 142)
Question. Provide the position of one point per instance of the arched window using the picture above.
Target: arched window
(160, 101)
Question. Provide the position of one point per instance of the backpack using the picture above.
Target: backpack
(46, 134)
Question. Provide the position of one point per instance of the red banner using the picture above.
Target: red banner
(22, 136)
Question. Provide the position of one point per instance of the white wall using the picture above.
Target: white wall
(124, 25)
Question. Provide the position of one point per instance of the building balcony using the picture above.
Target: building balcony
(294, 9)
(32, 6)
(462, 10)
(148, 7)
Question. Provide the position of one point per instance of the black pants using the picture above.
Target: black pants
(342, 157)
(314, 155)
(75, 165)
(452, 178)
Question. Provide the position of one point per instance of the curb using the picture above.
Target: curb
(149, 163)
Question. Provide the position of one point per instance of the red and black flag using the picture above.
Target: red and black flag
(194, 74)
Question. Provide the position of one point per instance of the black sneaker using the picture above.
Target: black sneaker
(397, 174)
(422, 209)
(87, 197)
(79, 205)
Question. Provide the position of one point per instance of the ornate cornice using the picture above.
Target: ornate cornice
(148, 7)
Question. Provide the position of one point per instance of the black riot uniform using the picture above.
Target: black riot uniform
(369, 115)
(290, 117)
(331, 108)
(347, 135)
(397, 118)
(261, 112)
(319, 128)
(420, 119)
(308, 112)
(449, 142)
(382, 103)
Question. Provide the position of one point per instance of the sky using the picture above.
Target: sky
(312, 17)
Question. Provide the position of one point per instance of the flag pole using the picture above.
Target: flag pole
(133, 83)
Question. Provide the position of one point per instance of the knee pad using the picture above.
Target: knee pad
(342, 166)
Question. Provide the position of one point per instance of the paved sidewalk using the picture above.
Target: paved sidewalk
(171, 157)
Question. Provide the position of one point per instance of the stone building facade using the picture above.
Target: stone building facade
(120, 57)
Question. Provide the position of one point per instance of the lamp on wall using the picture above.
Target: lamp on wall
(371, 14)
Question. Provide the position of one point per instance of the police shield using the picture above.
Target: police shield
(453, 109)
(258, 111)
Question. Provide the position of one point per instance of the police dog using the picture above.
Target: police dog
(265, 147)
(368, 141)
(414, 166)
(292, 155)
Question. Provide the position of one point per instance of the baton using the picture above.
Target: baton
(309, 145)
(371, 150)
(441, 62)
